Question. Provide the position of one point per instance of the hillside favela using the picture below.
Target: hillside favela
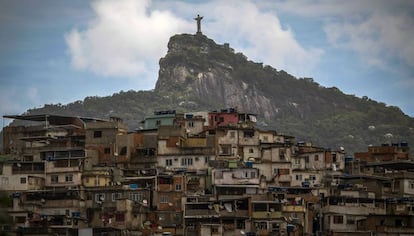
(211, 151)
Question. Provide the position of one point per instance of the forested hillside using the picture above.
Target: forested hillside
(198, 74)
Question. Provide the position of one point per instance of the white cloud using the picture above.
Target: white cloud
(124, 39)
(380, 39)
(10, 104)
(380, 31)
(127, 37)
(259, 35)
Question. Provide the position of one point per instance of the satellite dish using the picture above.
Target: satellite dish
(19, 165)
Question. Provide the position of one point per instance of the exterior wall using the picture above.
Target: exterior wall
(21, 182)
(407, 187)
(196, 142)
(282, 172)
(301, 177)
(153, 122)
(335, 160)
(101, 136)
(216, 119)
(316, 161)
(251, 153)
(298, 163)
(62, 179)
(170, 146)
(266, 136)
(227, 142)
(97, 179)
(194, 125)
(190, 162)
(248, 137)
(236, 176)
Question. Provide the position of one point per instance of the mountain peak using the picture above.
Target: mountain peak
(199, 74)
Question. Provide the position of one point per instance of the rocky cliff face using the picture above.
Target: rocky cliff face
(196, 67)
(198, 74)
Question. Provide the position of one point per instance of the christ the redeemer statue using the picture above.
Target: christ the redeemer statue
(198, 19)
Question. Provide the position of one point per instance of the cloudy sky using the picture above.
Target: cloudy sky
(55, 51)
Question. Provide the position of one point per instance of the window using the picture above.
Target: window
(265, 139)
(297, 161)
(168, 162)
(232, 134)
(298, 177)
(350, 220)
(306, 159)
(260, 207)
(248, 134)
(54, 179)
(261, 225)
(69, 178)
(240, 224)
(123, 151)
(411, 184)
(163, 199)
(218, 175)
(316, 157)
(221, 119)
(312, 177)
(282, 154)
(137, 197)
(97, 134)
(4, 180)
(107, 150)
(20, 219)
(23, 180)
(99, 197)
(116, 196)
(252, 174)
(338, 219)
(158, 123)
(191, 124)
(225, 149)
(178, 187)
(333, 157)
(187, 161)
(251, 150)
(119, 217)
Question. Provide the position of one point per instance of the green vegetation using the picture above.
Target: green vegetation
(306, 110)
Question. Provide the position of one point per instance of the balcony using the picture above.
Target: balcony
(65, 165)
(143, 159)
(28, 168)
(354, 210)
(69, 203)
(294, 208)
(266, 214)
(285, 178)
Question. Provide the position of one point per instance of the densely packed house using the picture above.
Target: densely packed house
(200, 173)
